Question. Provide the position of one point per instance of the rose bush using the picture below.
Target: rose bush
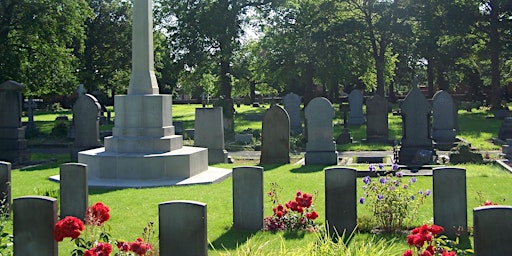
(296, 215)
(97, 241)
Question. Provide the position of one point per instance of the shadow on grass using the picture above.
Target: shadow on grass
(231, 240)
(309, 168)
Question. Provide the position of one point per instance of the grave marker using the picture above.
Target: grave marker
(443, 121)
(377, 119)
(183, 228)
(341, 200)
(492, 227)
(34, 219)
(356, 100)
(320, 147)
(291, 102)
(5, 186)
(450, 203)
(209, 133)
(74, 191)
(248, 198)
(275, 139)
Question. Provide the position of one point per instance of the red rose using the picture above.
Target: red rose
(279, 214)
(68, 227)
(123, 246)
(435, 229)
(91, 252)
(312, 215)
(445, 253)
(430, 248)
(103, 249)
(426, 253)
(408, 253)
(97, 214)
(139, 247)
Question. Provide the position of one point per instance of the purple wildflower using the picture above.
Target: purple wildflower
(366, 180)
(383, 180)
(412, 197)
(394, 167)
(361, 200)
(380, 197)
(420, 192)
(406, 186)
(427, 192)
(381, 167)
(371, 168)
(399, 174)
(413, 179)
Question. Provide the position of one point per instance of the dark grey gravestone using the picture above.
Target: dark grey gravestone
(74, 191)
(415, 111)
(248, 198)
(86, 112)
(275, 136)
(34, 219)
(30, 105)
(492, 227)
(5, 186)
(341, 200)
(377, 119)
(291, 102)
(183, 228)
(443, 120)
(209, 133)
(450, 203)
(320, 147)
(13, 145)
(178, 127)
(356, 100)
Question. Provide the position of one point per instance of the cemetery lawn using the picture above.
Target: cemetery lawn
(132, 209)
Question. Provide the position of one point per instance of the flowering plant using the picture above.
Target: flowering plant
(98, 241)
(296, 215)
(428, 236)
(392, 200)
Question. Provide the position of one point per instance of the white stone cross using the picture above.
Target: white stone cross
(143, 79)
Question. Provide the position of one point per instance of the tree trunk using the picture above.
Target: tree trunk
(252, 89)
(225, 79)
(430, 77)
(494, 46)
(309, 88)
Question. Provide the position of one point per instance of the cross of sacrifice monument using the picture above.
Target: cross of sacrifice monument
(144, 150)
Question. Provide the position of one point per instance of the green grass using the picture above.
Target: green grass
(131, 209)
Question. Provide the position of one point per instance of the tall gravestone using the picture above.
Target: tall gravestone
(13, 145)
(30, 105)
(492, 228)
(73, 192)
(443, 121)
(356, 101)
(209, 133)
(320, 147)
(377, 119)
(450, 202)
(505, 131)
(275, 137)
(340, 200)
(183, 228)
(5, 186)
(86, 127)
(144, 150)
(291, 102)
(417, 146)
(34, 219)
(248, 187)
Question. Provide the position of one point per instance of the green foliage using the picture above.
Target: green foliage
(6, 239)
(394, 204)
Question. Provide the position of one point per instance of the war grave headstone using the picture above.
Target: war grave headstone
(5, 186)
(33, 233)
(86, 127)
(13, 145)
(183, 228)
(505, 131)
(492, 229)
(377, 119)
(73, 192)
(416, 144)
(320, 147)
(144, 150)
(340, 200)
(248, 187)
(356, 101)
(443, 121)
(209, 133)
(291, 102)
(450, 202)
(275, 139)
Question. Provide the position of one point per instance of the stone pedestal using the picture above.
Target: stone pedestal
(13, 145)
(505, 131)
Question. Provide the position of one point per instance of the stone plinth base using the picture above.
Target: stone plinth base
(321, 158)
(413, 155)
(178, 164)
(444, 139)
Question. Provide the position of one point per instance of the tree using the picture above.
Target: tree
(106, 62)
(40, 41)
(208, 31)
